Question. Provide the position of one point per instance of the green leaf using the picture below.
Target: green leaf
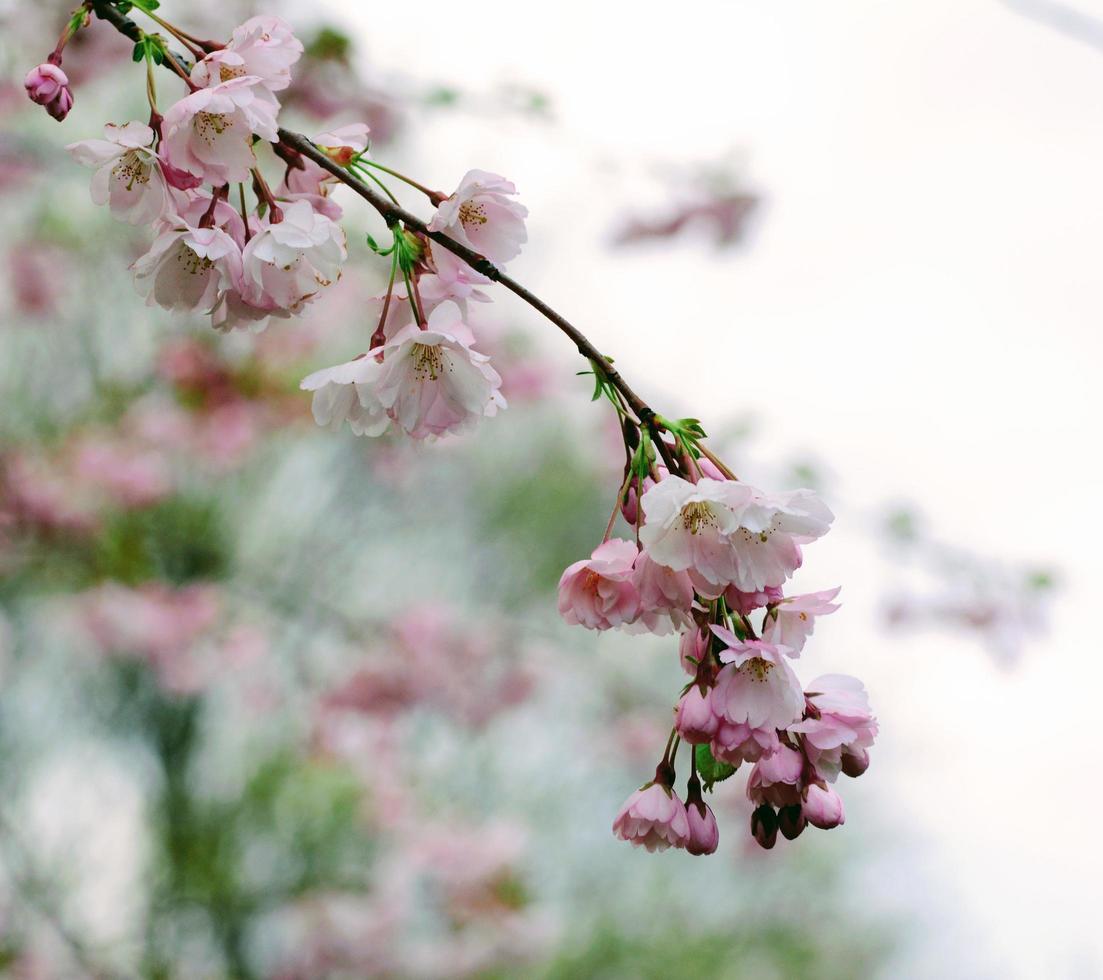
(373, 245)
(710, 769)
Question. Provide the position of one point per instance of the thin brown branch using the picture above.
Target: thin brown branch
(393, 214)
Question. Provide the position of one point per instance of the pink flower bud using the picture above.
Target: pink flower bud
(60, 106)
(764, 826)
(704, 836)
(693, 647)
(790, 821)
(44, 83)
(823, 808)
(855, 762)
(694, 717)
(630, 505)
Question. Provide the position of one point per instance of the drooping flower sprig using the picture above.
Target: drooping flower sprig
(710, 555)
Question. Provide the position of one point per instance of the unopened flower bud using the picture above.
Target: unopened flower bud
(855, 762)
(764, 826)
(704, 836)
(823, 808)
(693, 648)
(694, 717)
(791, 821)
(44, 82)
(60, 105)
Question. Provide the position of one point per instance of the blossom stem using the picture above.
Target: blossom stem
(716, 461)
(411, 295)
(380, 337)
(195, 48)
(175, 65)
(435, 197)
(151, 85)
(383, 187)
(244, 211)
(264, 192)
(616, 506)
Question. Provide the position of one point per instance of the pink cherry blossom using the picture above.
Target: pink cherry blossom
(791, 621)
(772, 527)
(746, 603)
(432, 383)
(598, 592)
(286, 263)
(263, 48)
(757, 686)
(666, 597)
(337, 397)
(823, 807)
(694, 717)
(704, 836)
(209, 133)
(653, 817)
(128, 174)
(45, 82)
(481, 215)
(687, 526)
(845, 726)
(738, 743)
(776, 778)
(187, 268)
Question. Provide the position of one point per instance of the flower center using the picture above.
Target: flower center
(428, 362)
(763, 537)
(697, 515)
(757, 670)
(226, 72)
(131, 169)
(193, 264)
(209, 125)
(472, 213)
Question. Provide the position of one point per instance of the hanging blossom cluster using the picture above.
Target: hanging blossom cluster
(710, 555)
(710, 561)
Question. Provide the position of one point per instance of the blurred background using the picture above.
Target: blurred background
(276, 703)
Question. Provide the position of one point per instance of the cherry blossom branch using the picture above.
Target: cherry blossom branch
(394, 214)
(708, 549)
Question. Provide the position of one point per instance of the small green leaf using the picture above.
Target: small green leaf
(710, 769)
(373, 245)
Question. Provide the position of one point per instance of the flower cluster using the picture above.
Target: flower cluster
(210, 254)
(710, 553)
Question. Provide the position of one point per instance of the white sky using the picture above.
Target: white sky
(919, 307)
